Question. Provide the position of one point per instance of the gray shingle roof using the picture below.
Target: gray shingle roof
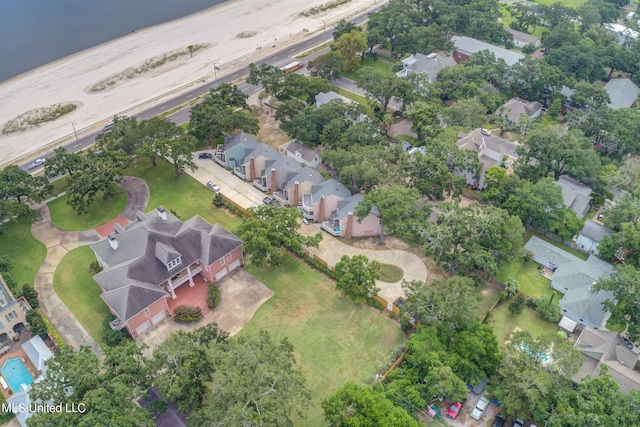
(305, 152)
(240, 138)
(326, 97)
(138, 265)
(430, 65)
(622, 92)
(515, 107)
(349, 205)
(595, 231)
(470, 46)
(328, 188)
(575, 195)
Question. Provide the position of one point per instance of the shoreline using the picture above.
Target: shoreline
(67, 79)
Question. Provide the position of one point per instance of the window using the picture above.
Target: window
(222, 261)
(11, 315)
(173, 264)
(3, 299)
(147, 313)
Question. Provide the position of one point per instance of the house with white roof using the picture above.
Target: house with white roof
(623, 33)
(622, 92)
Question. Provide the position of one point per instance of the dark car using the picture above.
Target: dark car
(498, 421)
(454, 410)
(518, 423)
(478, 388)
(628, 343)
(267, 200)
(205, 156)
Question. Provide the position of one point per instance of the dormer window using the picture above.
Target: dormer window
(174, 263)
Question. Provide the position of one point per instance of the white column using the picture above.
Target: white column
(191, 283)
(173, 294)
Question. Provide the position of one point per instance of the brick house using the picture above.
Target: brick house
(12, 314)
(144, 264)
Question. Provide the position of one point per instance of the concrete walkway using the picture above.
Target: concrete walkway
(59, 243)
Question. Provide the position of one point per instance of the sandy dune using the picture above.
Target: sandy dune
(68, 80)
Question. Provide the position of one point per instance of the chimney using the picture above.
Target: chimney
(296, 196)
(118, 228)
(112, 241)
(252, 168)
(162, 213)
(321, 210)
(272, 187)
(349, 231)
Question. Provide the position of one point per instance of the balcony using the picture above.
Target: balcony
(239, 171)
(282, 197)
(260, 184)
(332, 227)
(308, 214)
(307, 202)
(220, 158)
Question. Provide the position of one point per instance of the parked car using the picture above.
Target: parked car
(485, 132)
(205, 156)
(479, 388)
(628, 343)
(267, 200)
(498, 421)
(36, 163)
(518, 423)
(481, 406)
(454, 410)
(213, 186)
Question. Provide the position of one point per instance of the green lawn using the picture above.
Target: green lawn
(335, 341)
(504, 322)
(507, 19)
(489, 295)
(569, 3)
(531, 282)
(359, 99)
(100, 212)
(184, 195)
(80, 293)
(390, 273)
(380, 66)
(25, 251)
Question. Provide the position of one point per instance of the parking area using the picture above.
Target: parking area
(464, 417)
(234, 188)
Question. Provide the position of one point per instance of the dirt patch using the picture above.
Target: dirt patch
(270, 132)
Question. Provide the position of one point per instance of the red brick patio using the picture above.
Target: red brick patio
(196, 296)
(106, 229)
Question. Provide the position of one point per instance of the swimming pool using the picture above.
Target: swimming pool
(16, 373)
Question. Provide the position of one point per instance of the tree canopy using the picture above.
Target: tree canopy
(356, 277)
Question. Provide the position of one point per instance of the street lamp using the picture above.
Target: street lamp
(215, 74)
(73, 125)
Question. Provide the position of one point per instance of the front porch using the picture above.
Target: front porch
(306, 207)
(332, 227)
(282, 197)
(220, 158)
(194, 296)
(260, 184)
(240, 172)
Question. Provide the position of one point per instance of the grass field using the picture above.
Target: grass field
(80, 293)
(25, 251)
(335, 341)
(390, 273)
(380, 66)
(183, 194)
(531, 282)
(100, 212)
(507, 19)
(504, 323)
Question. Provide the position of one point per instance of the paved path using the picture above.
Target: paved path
(59, 243)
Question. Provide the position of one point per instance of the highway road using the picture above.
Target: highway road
(279, 58)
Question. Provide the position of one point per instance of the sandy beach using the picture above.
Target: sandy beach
(231, 32)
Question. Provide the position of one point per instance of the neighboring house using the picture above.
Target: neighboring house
(492, 151)
(411, 150)
(301, 153)
(144, 264)
(296, 185)
(323, 199)
(12, 315)
(326, 97)
(430, 65)
(235, 150)
(575, 195)
(516, 107)
(607, 348)
(276, 174)
(521, 39)
(465, 47)
(622, 33)
(622, 92)
(38, 353)
(574, 278)
(343, 222)
(590, 236)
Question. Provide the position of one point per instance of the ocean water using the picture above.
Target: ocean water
(36, 32)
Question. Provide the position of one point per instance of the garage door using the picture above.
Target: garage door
(158, 318)
(220, 275)
(234, 265)
(140, 329)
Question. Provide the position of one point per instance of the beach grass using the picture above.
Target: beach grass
(335, 341)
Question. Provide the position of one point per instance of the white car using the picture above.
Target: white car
(213, 186)
(36, 163)
(481, 406)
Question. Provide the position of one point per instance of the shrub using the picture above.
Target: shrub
(31, 295)
(405, 324)
(36, 321)
(213, 296)
(94, 268)
(187, 313)
(110, 337)
(218, 200)
(517, 305)
(548, 310)
(532, 304)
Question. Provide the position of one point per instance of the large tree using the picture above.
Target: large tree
(351, 46)
(356, 277)
(222, 111)
(450, 302)
(329, 66)
(474, 237)
(400, 209)
(468, 113)
(267, 231)
(179, 150)
(254, 381)
(61, 163)
(153, 137)
(382, 88)
(21, 187)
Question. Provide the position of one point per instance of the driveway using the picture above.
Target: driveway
(241, 295)
(464, 417)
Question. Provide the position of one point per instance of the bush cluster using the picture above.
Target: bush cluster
(187, 313)
(213, 296)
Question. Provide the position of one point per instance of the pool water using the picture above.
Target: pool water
(15, 373)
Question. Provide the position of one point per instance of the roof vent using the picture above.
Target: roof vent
(162, 213)
(112, 241)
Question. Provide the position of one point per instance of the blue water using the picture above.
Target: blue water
(36, 32)
(15, 373)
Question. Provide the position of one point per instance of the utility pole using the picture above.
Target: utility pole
(73, 125)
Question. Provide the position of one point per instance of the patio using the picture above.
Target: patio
(193, 296)
(17, 351)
